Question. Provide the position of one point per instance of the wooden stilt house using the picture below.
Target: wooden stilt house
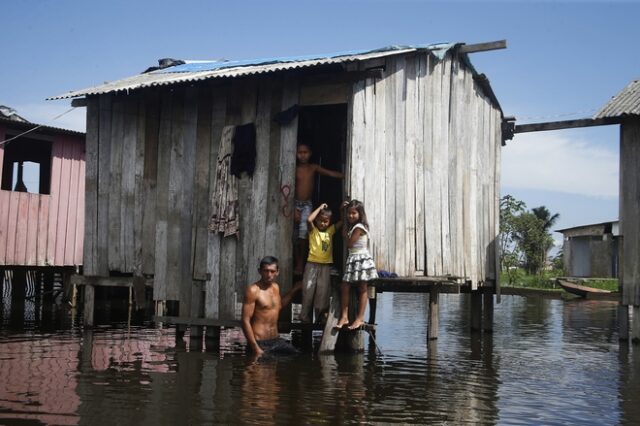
(416, 130)
(41, 222)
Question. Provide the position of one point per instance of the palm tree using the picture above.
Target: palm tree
(547, 220)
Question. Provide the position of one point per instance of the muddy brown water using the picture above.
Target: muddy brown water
(547, 362)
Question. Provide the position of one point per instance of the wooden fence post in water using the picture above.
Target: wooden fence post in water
(212, 338)
(487, 317)
(623, 322)
(476, 310)
(89, 300)
(434, 313)
(635, 326)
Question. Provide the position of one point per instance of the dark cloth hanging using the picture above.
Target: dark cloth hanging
(286, 116)
(244, 150)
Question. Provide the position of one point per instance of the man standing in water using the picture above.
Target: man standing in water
(261, 308)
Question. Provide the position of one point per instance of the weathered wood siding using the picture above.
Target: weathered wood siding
(424, 157)
(630, 210)
(46, 230)
(150, 178)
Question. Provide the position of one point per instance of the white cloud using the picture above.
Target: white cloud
(46, 113)
(553, 162)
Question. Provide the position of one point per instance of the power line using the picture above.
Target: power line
(6, 141)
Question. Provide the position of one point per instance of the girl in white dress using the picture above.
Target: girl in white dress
(360, 267)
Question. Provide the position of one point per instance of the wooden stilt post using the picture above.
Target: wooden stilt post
(623, 322)
(89, 300)
(212, 338)
(372, 305)
(476, 310)
(330, 334)
(487, 309)
(635, 326)
(434, 313)
(18, 294)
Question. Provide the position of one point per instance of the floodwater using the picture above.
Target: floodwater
(547, 362)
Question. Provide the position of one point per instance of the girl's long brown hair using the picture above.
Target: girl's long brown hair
(360, 209)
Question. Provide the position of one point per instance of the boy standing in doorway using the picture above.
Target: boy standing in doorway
(305, 180)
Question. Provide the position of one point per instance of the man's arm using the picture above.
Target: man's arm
(248, 308)
(286, 299)
(331, 173)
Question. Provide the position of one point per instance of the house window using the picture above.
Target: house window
(27, 166)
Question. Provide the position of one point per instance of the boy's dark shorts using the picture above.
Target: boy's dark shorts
(277, 346)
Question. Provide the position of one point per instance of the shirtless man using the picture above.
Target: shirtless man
(305, 180)
(260, 310)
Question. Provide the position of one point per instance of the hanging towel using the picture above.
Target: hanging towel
(244, 150)
(224, 215)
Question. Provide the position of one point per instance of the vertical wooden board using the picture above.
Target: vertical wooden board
(152, 107)
(433, 224)
(629, 208)
(63, 197)
(162, 198)
(377, 173)
(213, 296)
(32, 229)
(115, 191)
(175, 201)
(444, 152)
(419, 181)
(428, 166)
(391, 104)
(201, 184)
(43, 228)
(279, 194)
(13, 218)
(20, 257)
(497, 140)
(5, 201)
(411, 140)
(372, 194)
(79, 243)
(139, 186)
(287, 162)
(56, 171)
(457, 137)
(357, 142)
(104, 185)
(472, 241)
(128, 182)
(400, 146)
(90, 232)
(248, 235)
(73, 213)
(260, 182)
(189, 290)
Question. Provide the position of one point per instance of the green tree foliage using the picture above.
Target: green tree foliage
(525, 237)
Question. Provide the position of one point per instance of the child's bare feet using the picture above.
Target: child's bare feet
(341, 323)
(357, 323)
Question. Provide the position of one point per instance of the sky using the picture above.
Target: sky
(564, 60)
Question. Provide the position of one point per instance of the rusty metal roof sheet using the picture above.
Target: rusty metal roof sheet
(203, 70)
(625, 103)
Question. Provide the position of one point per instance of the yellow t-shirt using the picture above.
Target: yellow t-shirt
(320, 245)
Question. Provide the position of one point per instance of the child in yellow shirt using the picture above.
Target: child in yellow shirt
(316, 280)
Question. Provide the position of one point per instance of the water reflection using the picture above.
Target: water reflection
(547, 362)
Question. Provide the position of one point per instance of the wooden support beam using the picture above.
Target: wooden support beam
(483, 47)
(434, 314)
(566, 124)
(487, 310)
(89, 300)
(623, 322)
(476, 310)
(108, 281)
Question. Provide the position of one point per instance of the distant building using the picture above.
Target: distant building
(591, 250)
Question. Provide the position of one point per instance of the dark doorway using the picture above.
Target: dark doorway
(324, 129)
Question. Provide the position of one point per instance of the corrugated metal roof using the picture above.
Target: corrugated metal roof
(204, 70)
(26, 125)
(627, 102)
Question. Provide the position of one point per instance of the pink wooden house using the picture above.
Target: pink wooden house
(41, 195)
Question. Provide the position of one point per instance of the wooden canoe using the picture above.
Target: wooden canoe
(579, 290)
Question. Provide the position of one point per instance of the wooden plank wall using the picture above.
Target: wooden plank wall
(150, 180)
(629, 208)
(424, 158)
(47, 230)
